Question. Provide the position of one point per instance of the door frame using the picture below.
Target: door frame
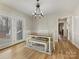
(63, 20)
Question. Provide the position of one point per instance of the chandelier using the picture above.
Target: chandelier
(37, 13)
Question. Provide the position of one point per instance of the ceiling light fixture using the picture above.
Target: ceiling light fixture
(37, 13)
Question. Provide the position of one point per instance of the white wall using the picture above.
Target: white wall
(75, 31)
(48, 24)
(74, 25)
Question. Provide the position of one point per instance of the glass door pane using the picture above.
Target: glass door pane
(19, 30)
(5, 32)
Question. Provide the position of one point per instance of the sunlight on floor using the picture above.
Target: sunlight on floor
(6, 55)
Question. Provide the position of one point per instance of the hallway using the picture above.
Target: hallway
(64, 50)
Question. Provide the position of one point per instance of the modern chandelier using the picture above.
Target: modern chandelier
(37, 13)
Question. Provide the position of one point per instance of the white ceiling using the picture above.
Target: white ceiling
(47, 6)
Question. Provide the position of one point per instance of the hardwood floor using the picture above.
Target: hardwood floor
(64, 50)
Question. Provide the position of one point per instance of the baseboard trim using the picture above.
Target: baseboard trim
(75, 45)
(11, 45)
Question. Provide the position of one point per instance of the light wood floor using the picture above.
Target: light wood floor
(64, 50)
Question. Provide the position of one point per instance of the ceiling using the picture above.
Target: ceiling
(47, 6)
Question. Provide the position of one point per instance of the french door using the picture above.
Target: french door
(5, 31)
(19, 29)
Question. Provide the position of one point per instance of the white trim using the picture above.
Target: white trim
(75, 44)
(13, 43)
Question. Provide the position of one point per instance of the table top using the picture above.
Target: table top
(41, 35)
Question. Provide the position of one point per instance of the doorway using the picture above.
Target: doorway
(62, 29)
